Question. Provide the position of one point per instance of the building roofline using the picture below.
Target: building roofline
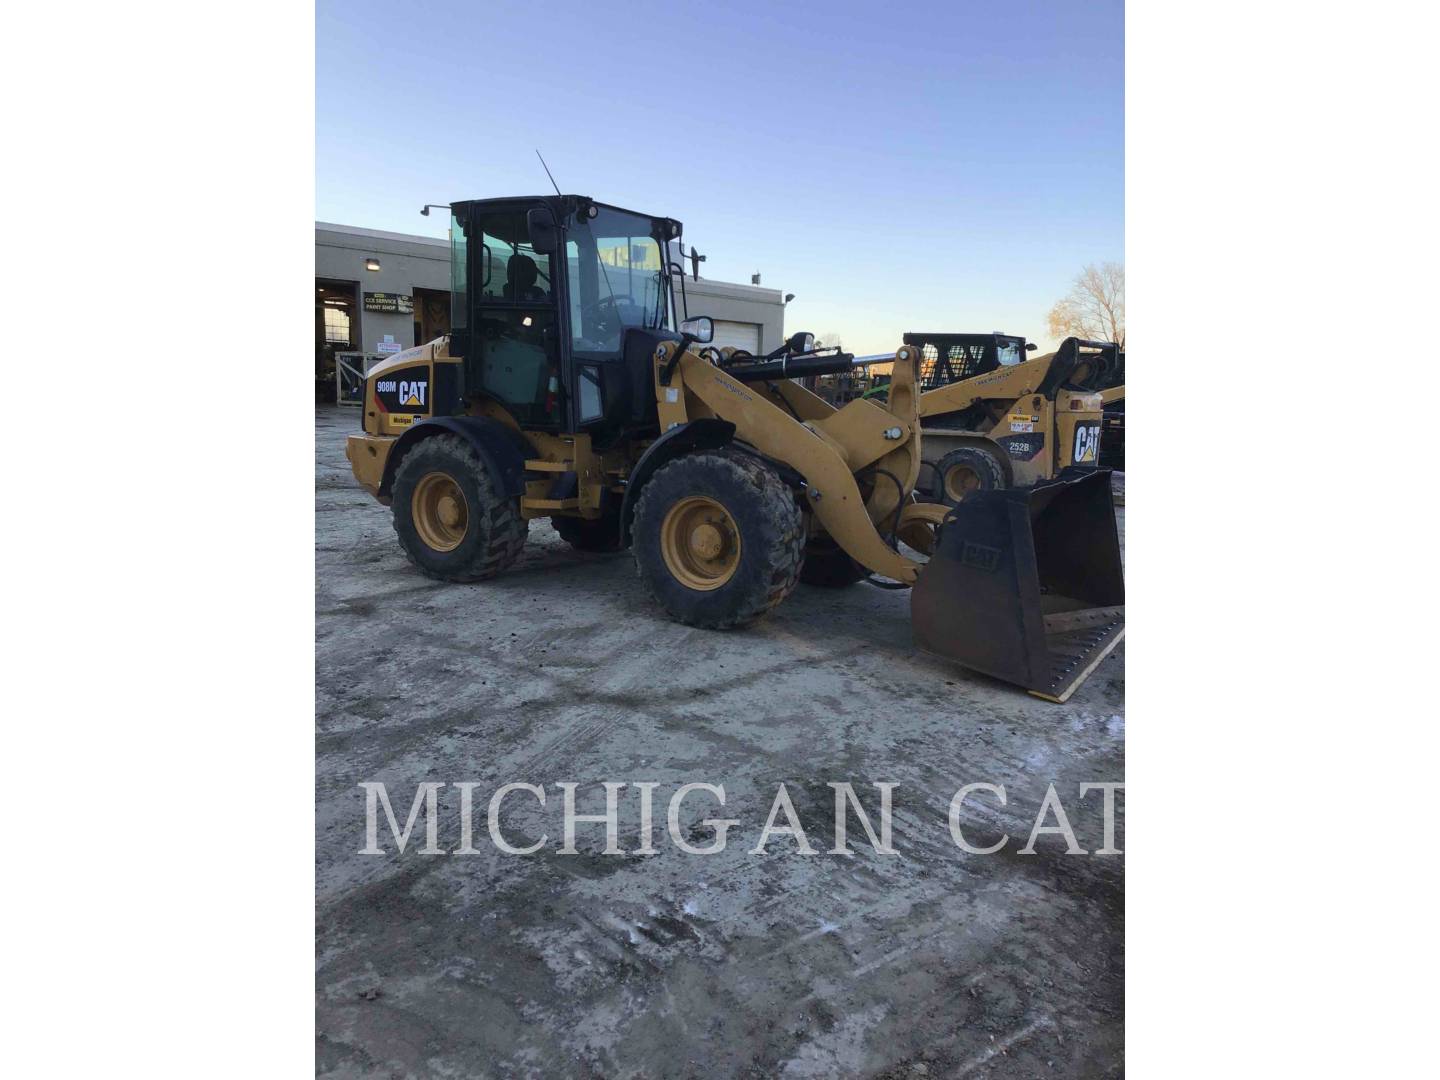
(734, 288)
(380, 234)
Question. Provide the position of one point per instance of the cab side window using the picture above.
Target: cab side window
(510, 269)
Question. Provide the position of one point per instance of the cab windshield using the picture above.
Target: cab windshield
(616, 278)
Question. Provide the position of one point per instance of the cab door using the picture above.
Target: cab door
(513, 351)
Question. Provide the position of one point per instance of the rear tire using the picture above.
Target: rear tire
(718, 539)
(967, 469)
(827, 565)
(452, 521)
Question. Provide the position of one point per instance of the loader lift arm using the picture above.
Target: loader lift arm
(826, 451)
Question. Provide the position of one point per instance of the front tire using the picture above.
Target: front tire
(966, 470)
(718, 539)
(452, 521)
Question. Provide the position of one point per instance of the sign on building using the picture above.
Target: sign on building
(389, 303)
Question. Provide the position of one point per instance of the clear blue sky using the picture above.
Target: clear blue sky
(897, 166)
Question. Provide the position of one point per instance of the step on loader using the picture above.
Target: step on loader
(572, 387)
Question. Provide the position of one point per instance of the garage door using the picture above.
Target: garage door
(742, 335)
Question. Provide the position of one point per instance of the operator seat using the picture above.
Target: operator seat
(521, 273)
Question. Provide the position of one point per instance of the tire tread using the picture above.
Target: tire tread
(782, 521)
(507, 531)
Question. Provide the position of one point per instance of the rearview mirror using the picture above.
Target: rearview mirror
(1029, 346)
(800, 343)
(544, 233)
(701, 328)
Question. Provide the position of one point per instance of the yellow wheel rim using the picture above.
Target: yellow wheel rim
(700, 543)
(440, 512)
(920, 535)
(960, 481)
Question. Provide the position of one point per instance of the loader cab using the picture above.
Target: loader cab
(559, 303)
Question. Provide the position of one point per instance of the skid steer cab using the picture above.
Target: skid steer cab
(573, 387)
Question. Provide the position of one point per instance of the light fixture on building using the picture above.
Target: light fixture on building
(526, 321)
(755, 278)
(372, 264)
(789, 296)
(425, 210)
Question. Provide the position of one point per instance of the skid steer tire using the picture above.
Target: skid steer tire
(452, 520)
(969, 468)
(827, 565)
(599, 534)
(718, 539)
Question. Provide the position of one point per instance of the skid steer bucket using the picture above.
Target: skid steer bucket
(1026, 584)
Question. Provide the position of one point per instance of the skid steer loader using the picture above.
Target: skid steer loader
(570, 388)
(1108, 377)
(995, 418)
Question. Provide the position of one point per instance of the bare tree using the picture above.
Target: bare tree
(828, 340)
(1094, 308)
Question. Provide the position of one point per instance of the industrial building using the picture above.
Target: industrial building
(380, 292)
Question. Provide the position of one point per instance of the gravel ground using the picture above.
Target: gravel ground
(930, 962)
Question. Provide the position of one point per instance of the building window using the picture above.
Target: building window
(337, 326)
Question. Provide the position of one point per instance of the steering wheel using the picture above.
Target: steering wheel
(603, 315)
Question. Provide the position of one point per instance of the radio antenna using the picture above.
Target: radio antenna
(547, 171)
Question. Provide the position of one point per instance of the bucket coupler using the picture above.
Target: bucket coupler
(1026, 584)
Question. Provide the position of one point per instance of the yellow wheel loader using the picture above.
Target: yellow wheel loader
(995, 418)
(571, 388)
